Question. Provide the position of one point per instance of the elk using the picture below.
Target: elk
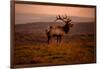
(59, 31)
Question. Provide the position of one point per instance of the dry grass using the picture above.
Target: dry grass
(73, 50)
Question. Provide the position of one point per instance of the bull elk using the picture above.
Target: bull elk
(59, 31)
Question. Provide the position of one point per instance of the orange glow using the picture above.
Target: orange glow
(55, 10)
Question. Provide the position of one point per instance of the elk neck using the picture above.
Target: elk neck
(66, 28)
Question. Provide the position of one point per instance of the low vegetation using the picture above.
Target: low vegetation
(74, 49)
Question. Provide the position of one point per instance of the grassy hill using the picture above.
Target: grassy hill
(31, 48)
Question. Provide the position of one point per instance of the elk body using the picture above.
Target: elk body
(59, 31)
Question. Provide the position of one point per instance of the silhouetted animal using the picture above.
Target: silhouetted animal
(59, 31)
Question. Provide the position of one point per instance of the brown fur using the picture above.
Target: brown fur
(58, 31)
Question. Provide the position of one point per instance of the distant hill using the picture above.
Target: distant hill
(84, 28)
(28, 18)
(39, 27)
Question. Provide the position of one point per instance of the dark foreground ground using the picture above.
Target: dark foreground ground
(32, 50)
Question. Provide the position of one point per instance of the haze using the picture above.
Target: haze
(25, 13)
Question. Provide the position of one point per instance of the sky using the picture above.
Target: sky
(34, 13)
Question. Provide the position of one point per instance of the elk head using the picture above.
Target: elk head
(65, 19)
(67, 22)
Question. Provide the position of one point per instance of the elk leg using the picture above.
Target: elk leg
(60, 37)
(49, 38)
(58, 40)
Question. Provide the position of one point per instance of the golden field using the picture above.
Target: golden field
(31, 49)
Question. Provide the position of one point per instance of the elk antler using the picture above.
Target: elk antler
(69, 20)
(59, 17)
(63, 18)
